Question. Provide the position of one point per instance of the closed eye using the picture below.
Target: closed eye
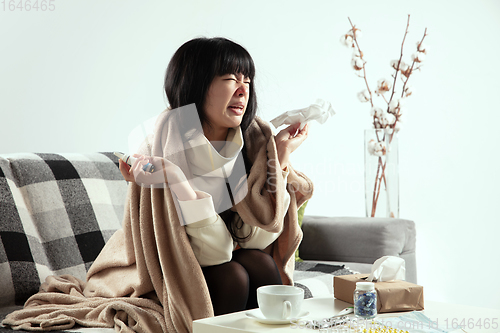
(235, 79)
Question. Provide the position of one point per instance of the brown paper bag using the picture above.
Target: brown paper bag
(392, 296)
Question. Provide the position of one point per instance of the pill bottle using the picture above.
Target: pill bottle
(365, 300)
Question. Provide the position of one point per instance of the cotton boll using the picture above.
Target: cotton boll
(394, 64)
(383, 85)
(371, 147)
(376, 112)
(409, 90)
(396, 104)
(389, 119)
(380, 149)
(402, 65)
(357, 33)
(393, 105)
(357, 63)
(377, 148)
(418, 57)
(347, 40)
(364, 96)
(383, 122)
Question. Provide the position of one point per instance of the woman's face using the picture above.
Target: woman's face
(226, 101)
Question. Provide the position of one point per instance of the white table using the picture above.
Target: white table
(321, 308)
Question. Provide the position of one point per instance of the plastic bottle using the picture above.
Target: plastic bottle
(365, 300)
(130, 161)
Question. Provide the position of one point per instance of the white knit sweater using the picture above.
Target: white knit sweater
(211, 241)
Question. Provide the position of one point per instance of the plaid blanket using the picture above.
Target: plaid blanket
(56, 213)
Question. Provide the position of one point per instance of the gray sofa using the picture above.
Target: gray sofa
(358, 241)
(58, 210)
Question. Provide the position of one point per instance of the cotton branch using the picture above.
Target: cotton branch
(361, 56)
(400, 58)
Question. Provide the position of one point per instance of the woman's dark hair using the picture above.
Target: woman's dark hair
(189, 75)
(194, 66)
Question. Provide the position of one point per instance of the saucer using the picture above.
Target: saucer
(257, 315)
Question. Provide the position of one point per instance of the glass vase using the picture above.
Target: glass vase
(381, 174)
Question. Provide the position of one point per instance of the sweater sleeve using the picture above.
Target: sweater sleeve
(199, 209)
(210, 240)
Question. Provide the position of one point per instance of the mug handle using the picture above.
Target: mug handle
(287, 310)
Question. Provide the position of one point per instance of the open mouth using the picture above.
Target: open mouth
(238, 109)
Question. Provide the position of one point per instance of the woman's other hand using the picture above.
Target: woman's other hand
(289, 139)
(165, 172)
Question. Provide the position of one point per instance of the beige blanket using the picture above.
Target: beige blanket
(147, 279)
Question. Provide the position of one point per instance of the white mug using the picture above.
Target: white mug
(279, 301)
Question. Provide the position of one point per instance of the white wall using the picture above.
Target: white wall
(80, 78)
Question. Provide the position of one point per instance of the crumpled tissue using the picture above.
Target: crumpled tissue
(388, 268)
(319, 111)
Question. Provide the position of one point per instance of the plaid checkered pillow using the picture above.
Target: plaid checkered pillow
(56, 213)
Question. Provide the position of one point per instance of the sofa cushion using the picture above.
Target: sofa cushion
(359, 240)
(56, 213)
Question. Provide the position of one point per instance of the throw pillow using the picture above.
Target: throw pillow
(57, 213)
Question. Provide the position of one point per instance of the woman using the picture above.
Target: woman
(173, 260)
(221, 84)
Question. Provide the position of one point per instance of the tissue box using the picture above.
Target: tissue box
(392, 296)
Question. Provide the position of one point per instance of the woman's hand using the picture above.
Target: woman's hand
(289, 139)
(165, 172)
(125, 170)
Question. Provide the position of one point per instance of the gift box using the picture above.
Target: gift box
(392, 296)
